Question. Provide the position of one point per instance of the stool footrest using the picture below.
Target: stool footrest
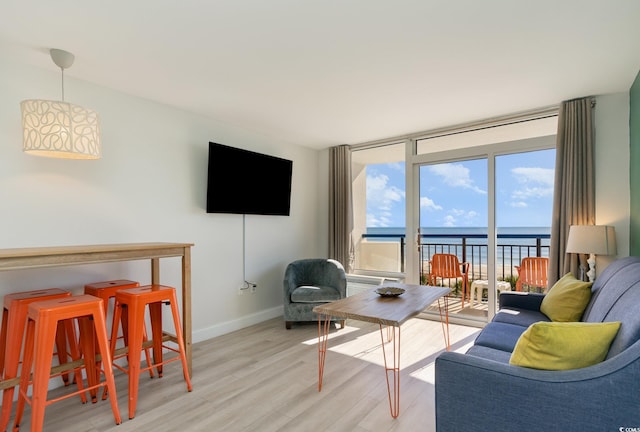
(71, 365)
(66, 396)
(122, 351)
(146, 368)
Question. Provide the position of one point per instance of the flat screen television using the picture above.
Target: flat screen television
(245, 182)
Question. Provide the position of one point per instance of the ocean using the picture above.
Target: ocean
(475, 235)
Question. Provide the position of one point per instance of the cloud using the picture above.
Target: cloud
(455, 175)
(534, 174)
(471, 215)
(378, 220)
(454, 216)
(449, 221)
(534, 183)
(428, 204)
(380, 200)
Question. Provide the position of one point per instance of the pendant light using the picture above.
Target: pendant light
(59, 129)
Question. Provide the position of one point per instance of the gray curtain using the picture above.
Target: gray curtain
(340, 207)
(574, 196)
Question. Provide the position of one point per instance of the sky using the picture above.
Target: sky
(455, 194)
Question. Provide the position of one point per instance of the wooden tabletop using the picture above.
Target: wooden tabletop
(52, 256)
(371, 307)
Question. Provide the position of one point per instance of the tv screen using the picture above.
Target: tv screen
(245, 182)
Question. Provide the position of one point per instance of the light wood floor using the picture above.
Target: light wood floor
(265, 378)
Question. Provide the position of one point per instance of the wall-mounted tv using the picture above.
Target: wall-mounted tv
(245, 182)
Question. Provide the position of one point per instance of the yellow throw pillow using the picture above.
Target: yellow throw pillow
(563, 345)
(567, 299)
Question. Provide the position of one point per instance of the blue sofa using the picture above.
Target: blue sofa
(480, 391)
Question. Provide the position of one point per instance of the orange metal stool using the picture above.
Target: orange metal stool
(43, 318)
(14, 325)
(133, 302)
(106, 291)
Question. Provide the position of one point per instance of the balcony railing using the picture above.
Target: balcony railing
(473, 248)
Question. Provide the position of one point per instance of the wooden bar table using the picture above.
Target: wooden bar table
(56, 256)
(387, 311)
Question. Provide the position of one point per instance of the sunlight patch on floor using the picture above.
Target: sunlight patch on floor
(339, 333)
(426, 374)
(421, 340)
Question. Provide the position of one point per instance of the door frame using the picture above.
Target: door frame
(488, 152)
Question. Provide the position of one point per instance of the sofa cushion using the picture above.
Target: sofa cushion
(314, 294)
(567, 299)
(489, 353)
(563, 345)
(523, 317)
(501, 336)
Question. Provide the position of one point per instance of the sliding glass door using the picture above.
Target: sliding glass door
(453, 215)
(483, 195)
(488, 205)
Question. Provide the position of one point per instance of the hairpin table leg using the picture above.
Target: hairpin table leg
(393, 388)
(323, 337)
(444, 320)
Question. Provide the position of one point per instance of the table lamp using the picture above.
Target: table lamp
(593, 240)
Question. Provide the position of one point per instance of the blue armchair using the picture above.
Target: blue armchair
(309, 283)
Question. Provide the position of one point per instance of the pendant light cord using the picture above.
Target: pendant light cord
(62, 69)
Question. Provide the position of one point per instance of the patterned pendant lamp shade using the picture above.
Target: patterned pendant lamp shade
(60, 130)
(57, 128)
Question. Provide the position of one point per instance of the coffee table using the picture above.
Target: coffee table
(390, 312)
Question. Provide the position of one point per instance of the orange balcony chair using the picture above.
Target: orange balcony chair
(532, 274)
(447, 266)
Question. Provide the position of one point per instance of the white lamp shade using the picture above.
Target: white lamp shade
(60, 129)
(592, 239)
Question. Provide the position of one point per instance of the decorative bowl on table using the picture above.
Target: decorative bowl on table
(389, 291)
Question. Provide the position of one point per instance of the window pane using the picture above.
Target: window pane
(524, 204)
(379, 208)
(453, 220)
(524, 189)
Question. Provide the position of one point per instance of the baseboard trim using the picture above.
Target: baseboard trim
(237, 324)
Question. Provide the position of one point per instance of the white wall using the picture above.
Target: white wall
(150, 187)
(612, 169)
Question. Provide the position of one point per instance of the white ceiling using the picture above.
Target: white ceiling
(320, 73)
